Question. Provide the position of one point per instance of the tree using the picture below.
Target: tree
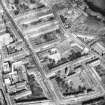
(63, 18)
(78, 54)
(32, 1)
(16, 12)
(49, 37)
(16, 2)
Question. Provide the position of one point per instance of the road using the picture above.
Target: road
(32, 53)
